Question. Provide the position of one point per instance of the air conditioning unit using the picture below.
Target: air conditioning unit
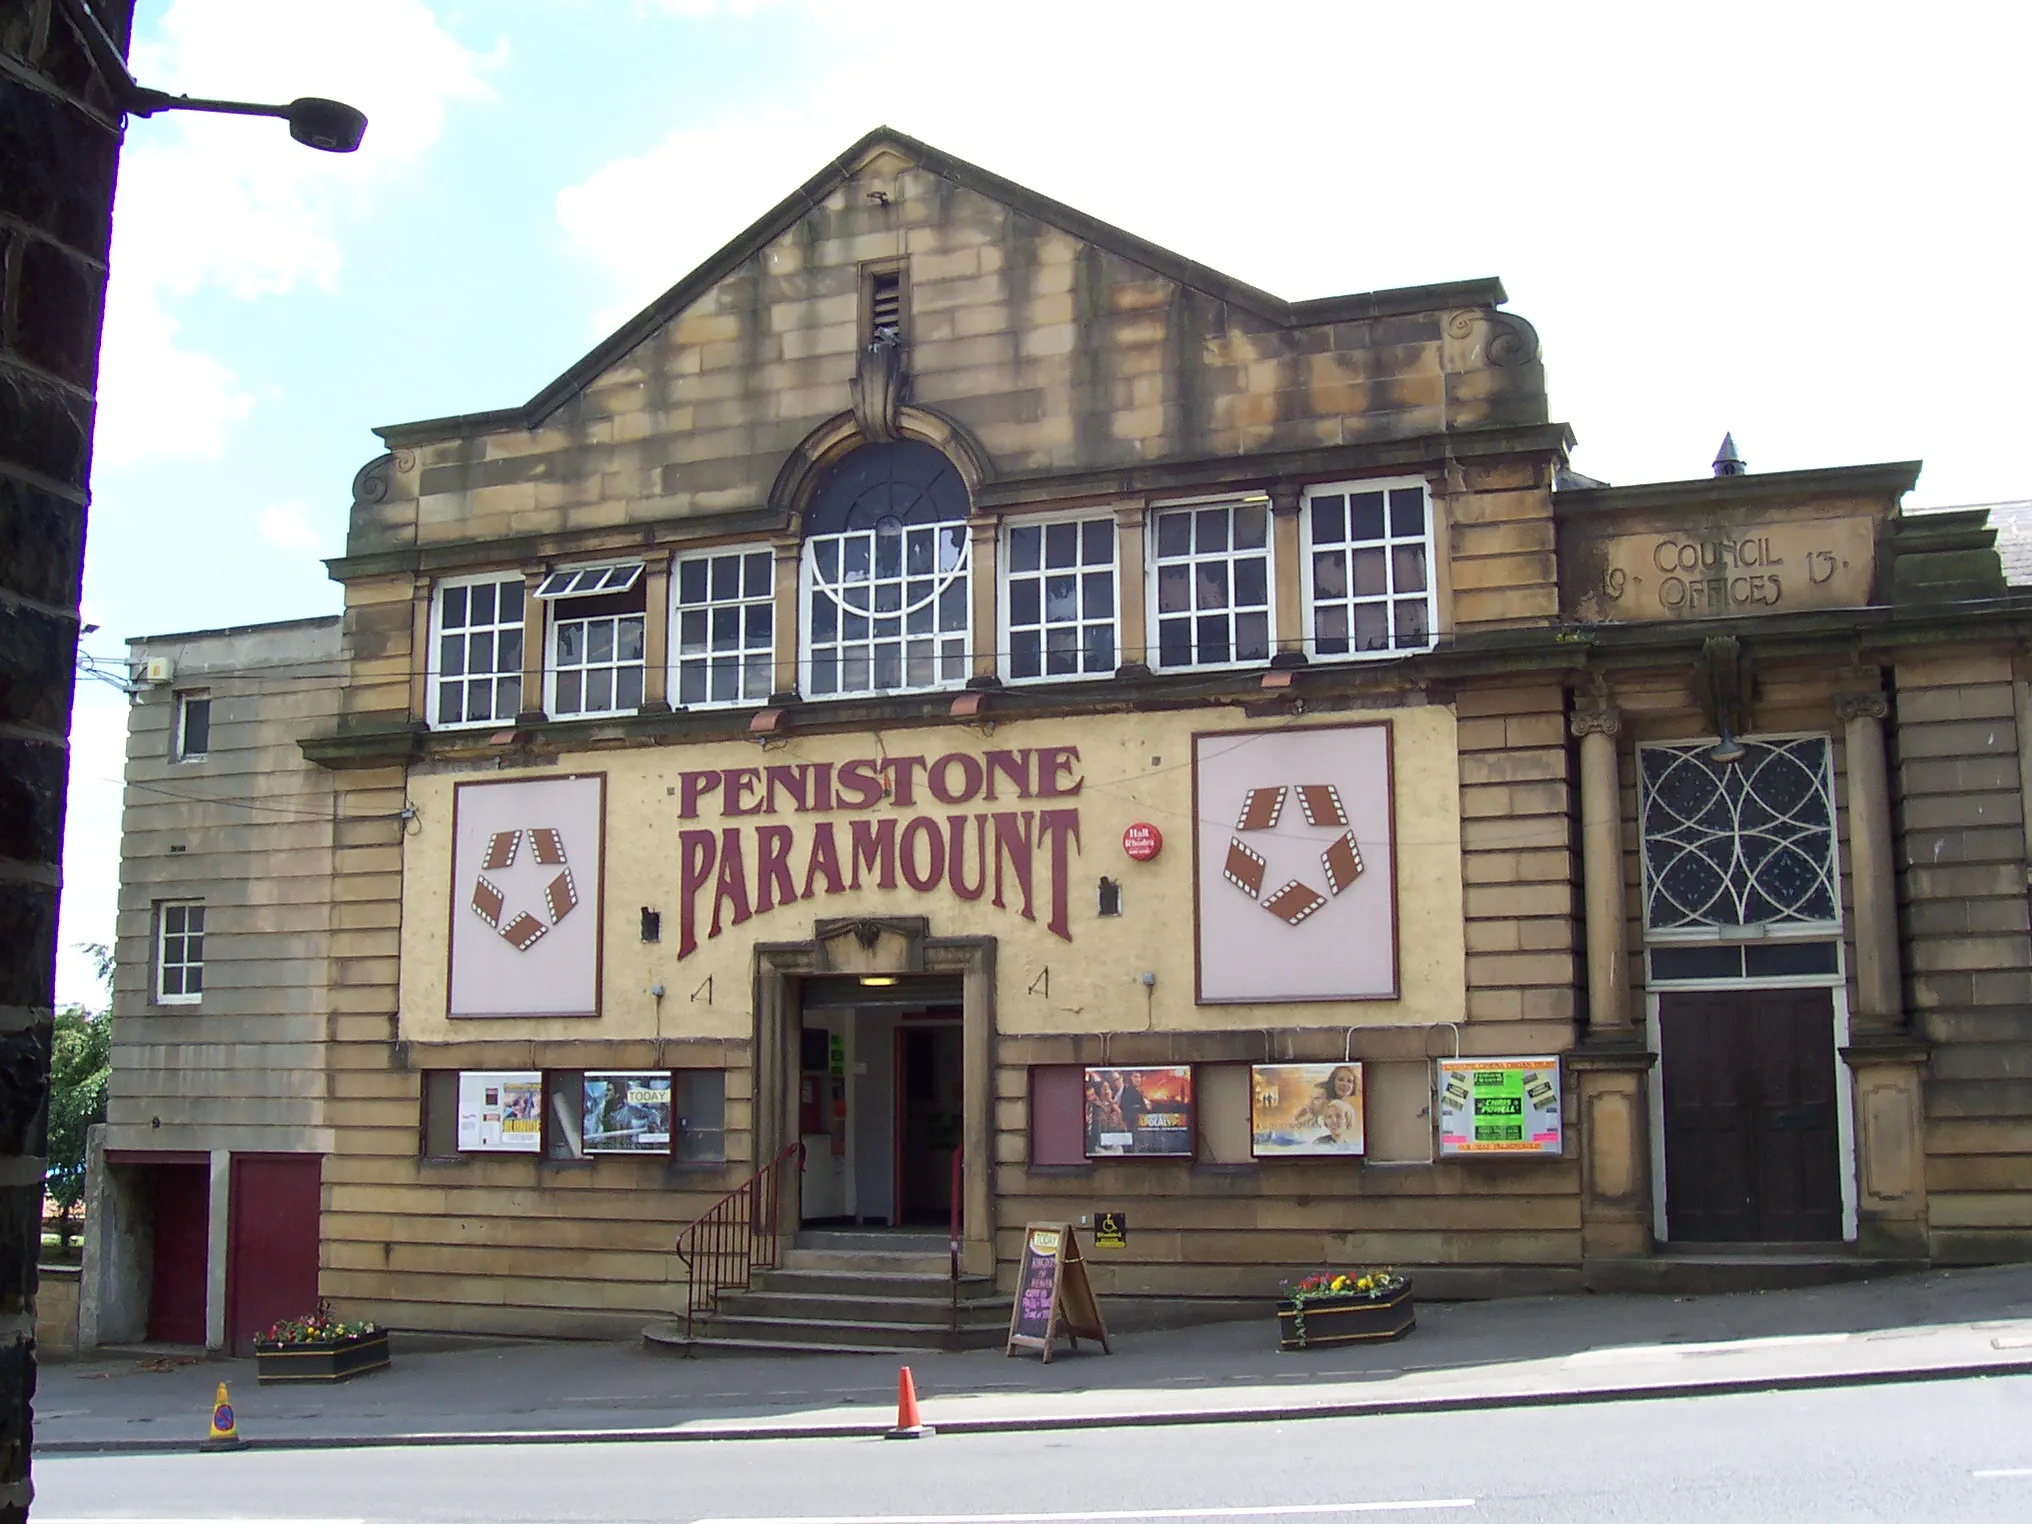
(160, 669)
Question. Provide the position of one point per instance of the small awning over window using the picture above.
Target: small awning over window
(582, 581)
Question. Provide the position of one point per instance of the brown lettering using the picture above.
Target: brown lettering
(695, 852)
(737, 782)
(1013, 839)
(938, 778)
(860, 784)
(925, 829)
(794, 781)
(731, 889)
(773, 883)
(902, 782)
(825, 858)
(956, 856)
(874, 844)
(1059, 827)
(692, 786)
(1012, 765)
(1051, 762)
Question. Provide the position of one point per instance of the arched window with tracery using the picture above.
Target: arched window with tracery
(885, 581)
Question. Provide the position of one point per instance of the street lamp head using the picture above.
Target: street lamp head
(332, 126)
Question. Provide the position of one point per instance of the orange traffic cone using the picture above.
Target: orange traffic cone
(908, 1424)
(225, 1433)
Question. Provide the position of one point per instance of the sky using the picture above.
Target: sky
(1797, 222)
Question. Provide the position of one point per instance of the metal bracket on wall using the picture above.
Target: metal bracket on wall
(707, 988)
(1041, 985)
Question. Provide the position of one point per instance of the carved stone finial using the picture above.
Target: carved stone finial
(1861, 706)
(877, 389)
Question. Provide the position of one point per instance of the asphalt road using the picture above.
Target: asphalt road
(1936, 1452)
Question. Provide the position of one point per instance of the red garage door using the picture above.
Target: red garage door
(272, 1243)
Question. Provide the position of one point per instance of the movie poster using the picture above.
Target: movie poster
(626, 1113)
(1145, 1112)
(501, 1113)
(1303, 1110)
(1499, 1106)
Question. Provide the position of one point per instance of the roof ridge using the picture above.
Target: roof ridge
(1485, 291)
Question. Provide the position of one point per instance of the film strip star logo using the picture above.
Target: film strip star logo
(523, 931)
(1246, 868)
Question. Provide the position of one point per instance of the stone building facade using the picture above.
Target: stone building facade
(963, 690)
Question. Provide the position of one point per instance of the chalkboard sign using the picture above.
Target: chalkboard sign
(1053, 1294)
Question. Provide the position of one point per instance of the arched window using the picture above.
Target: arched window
(885, 574)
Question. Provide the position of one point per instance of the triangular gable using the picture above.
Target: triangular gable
(799, 203)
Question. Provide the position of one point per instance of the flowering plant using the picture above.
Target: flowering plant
(319, 1327)
(1375, 1284)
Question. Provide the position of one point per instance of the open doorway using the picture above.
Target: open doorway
(881, 1102)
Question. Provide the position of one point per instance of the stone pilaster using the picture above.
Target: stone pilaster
(1285, 555)
(1872, 873)
(1889, 1075)
(1597, 721)
(789, 560)
(656, 633)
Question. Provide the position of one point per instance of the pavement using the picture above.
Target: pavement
(1524, 1352)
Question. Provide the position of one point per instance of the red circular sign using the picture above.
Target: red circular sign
(1142, 841)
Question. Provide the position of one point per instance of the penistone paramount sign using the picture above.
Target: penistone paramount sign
(1000, 826)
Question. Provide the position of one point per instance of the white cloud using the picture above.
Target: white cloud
(91, 856)
(234, 204)
(287, 526)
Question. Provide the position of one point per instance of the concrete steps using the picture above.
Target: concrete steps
(851, 1293)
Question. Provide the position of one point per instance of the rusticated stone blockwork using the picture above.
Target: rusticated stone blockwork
(1968, 959)
(59, 145)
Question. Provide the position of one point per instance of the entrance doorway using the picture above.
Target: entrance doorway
(881, 1103)
(1752, 1152)
(272, 1243)
(181, 1200)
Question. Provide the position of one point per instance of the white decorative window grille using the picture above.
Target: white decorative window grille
(725, 618)
(1369, 568)
(1059, 599)
(476, 659)
(180, 953)
(1210, 595)
(1747, 843)
(886, 580)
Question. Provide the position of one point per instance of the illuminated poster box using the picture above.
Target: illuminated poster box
(1499, 1106)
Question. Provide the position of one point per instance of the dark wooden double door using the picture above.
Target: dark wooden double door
(1751, 1149)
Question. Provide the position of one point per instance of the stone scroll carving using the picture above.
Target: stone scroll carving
(877, 389)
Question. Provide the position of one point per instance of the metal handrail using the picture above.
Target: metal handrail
(953, 1241)
(726, 1244)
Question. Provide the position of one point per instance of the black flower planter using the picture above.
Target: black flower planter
(1351, 1319)
(333, 1360)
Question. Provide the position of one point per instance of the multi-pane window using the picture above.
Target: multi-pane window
(1369, 568)
(723, 620)
(596, 640)
(1210, 599)
(1059, 598)
(193, 726)
(180, 952)
(476, 666)
(885, 581)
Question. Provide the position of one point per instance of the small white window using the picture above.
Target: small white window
(476, 651)
(180, 952)
(596, 641)
(1210, 584)
(1368, 578)
(723, 618)
(193, 726)
(1059, 598)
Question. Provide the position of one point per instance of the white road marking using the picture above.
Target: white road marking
(121, 1518)
(2010, 1471)
(1119, 1516)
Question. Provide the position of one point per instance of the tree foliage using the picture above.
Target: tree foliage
(81, 1065)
